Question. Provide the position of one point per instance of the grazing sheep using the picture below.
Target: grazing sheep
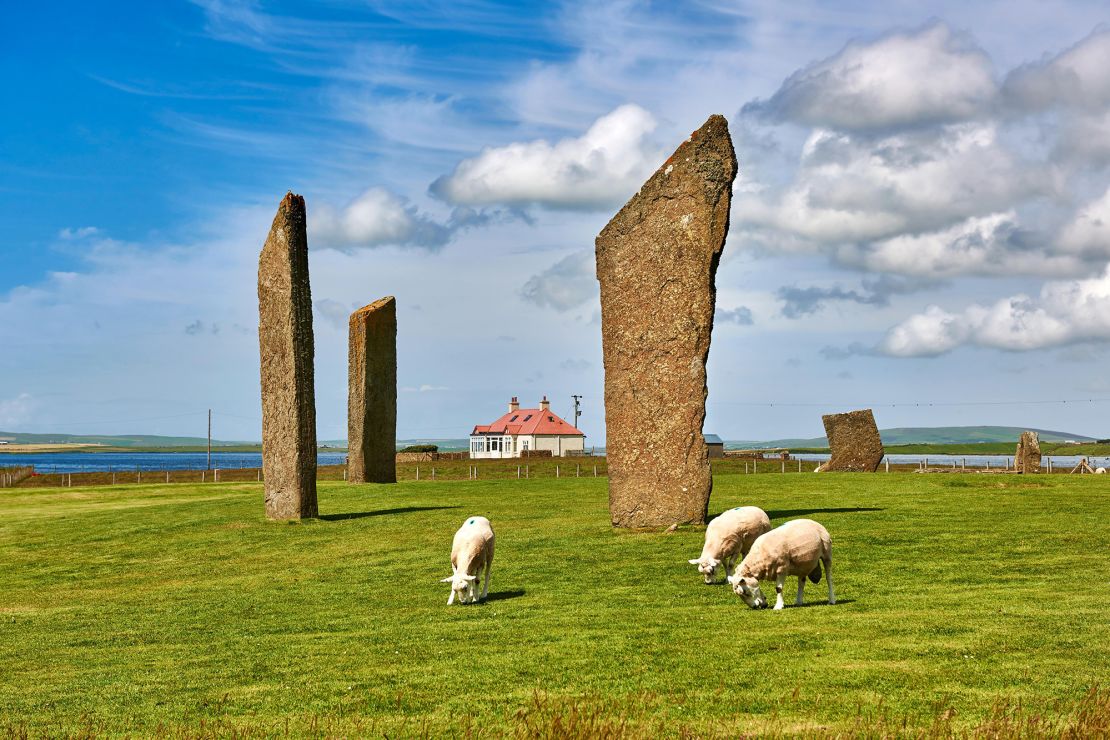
(797, 548)
(728, 538)
(1100, 471)
(471, 551)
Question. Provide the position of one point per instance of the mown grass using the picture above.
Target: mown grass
(177, 610)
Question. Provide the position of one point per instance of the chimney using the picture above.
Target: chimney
(513, 405)
(545, 404)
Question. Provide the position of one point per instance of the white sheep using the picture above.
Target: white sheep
(1100, 471)
(471, 551)
(728, 539)
(797, 548)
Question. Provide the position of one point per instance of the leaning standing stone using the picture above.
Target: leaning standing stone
(656, 262)
(854, 441)
(372, 393)
(286, 346)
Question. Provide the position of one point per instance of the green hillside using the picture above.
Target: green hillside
(122, 440)
(926, 435)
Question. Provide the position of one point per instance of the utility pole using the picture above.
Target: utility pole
(209, 439)
(577, 413)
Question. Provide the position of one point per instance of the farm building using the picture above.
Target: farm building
(715, 444)
(522, 430)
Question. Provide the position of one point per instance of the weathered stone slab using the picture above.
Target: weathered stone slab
(372, 393)
(854, 441)
(286, 348)
(656, 262)
(1027, 458)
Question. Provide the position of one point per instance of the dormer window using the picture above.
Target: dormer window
(515, 418)
(526, 418)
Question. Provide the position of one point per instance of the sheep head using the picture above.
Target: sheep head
(707, 567)
(747, 588)
(462, 584)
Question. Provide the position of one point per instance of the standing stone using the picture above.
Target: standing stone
(854, 441)
(372, 393)
(1027, 459)
(285, 342)
(656, 262)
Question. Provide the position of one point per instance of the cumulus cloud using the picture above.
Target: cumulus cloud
(741, 315)
(599, 169)
(568, 283)
(862, 189)
(376, 218)
(1078, 77)
(1065, 312)
(1088, 233)
(905, 79)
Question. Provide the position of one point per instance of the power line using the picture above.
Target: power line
(922, 404)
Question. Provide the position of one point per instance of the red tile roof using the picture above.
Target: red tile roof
(528, 421)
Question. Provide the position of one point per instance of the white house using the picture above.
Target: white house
(526, 429)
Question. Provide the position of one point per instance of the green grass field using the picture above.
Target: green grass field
(178, 610)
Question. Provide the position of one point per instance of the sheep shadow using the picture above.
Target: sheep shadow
(503, 595)
(382, 512)
(780, 513)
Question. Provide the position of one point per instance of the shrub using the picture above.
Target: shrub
(420, 448)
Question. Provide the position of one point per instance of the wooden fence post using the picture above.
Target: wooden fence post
(518, 472)
(784, 466)
(418, 472)
(595, 471)
(577, 469)
(887, 464)
(433, 473)
(556, 471)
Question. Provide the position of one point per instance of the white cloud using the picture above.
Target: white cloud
(1088, 233)
(1065, 312)
(990, 246)
(568, 283)
(331, 311)
(15, 411)
(905, 79)
(84, 232)
(1078, 77)
(378, 217)
(425, 388)
(599, 169)
(862, 189)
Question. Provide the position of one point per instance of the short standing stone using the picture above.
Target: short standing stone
(286, 347)
(372, 393)
(656, 262)
(1027, 459)
(854, 441)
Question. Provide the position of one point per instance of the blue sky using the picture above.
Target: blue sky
(922, 215)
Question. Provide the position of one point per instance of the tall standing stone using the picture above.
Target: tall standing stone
(854, 442)
(372, 393)
(286, 347)
(1027, 459)
(656, 262)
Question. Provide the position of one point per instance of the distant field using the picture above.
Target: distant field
(966, 601)
(981, 448)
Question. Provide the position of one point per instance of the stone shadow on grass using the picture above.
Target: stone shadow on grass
(382, 512)
(780, 513)
(502, 595)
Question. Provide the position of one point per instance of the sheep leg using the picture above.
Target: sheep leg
(485, 585)
(451, 598)
(779, 583)
(828, 577)
(801, 588)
